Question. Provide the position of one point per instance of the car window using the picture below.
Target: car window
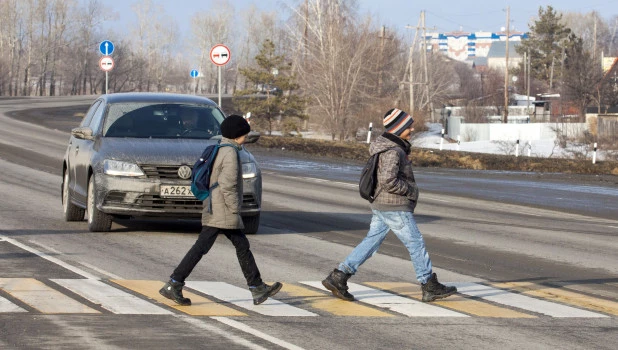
(90, 113)
(157, 120)
(97, 118)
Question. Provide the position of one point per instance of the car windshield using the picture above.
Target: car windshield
(162, 120)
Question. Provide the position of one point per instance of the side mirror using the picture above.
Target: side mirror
(83, 133)
(252, 137)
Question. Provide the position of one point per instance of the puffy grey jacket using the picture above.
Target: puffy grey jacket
(227, 197)
(396, 188)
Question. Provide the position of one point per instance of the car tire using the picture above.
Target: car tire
(71, 211)
(98, 221)
(251, 223)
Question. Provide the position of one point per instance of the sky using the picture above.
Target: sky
(443, 15)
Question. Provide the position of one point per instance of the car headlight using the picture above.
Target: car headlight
(118, 168)
(249, 170)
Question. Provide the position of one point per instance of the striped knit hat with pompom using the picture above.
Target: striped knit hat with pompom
(396, 121)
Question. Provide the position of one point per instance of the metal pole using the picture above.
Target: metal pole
(506, 68)
(106, 84)
(219, 84)
(369, 133)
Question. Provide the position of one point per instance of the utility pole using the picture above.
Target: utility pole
(411, 67)
(425, 66)
(506, 67)
(381, 61)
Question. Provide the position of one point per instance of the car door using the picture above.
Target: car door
(81, 152)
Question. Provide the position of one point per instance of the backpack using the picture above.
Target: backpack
(202, 169)
(369, 178)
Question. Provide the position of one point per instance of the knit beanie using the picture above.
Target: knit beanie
(234, 126)
(396, 121)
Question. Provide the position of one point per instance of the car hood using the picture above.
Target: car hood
(157, 151)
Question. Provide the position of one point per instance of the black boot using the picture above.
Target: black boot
(173, 291)
(337, 283)
(433, 289)
(263, 292)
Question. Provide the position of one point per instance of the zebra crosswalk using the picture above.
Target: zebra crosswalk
(299, 299)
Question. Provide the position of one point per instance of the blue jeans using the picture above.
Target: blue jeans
(402, 223)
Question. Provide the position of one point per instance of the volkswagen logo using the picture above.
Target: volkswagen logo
(184, 172)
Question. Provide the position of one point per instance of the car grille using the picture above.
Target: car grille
(178, 205)
(161, 171)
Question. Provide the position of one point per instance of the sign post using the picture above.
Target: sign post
(220, 55)
(106, 63)
(194, 74)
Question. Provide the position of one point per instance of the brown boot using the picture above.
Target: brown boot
(337, 283)
(433, 289)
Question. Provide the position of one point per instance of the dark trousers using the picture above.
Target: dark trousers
(204, 243)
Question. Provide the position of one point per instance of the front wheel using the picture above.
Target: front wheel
(251, 223)
(71, 211)
(98, 221)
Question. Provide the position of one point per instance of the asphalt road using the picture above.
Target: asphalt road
(534, 273)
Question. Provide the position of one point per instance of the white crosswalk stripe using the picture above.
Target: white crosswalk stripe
(241, 297)
(521, 301)
(395, 303)
(111, 298)
(6, 306)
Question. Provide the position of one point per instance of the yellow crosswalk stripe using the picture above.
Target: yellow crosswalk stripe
(329, 303)
(562, 295)
(200, 306)
(454, 302)
(42, 297)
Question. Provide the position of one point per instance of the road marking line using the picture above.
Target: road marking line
(200, 306)
(454, 302)
(111, 298)
(50, 258)
(241, 297)
(42, 297)
(7, 306)
(99, 270)
(330, 304)
(562, 295)
(395, 303)
(521, 301)
(216, 330)
(243, 327)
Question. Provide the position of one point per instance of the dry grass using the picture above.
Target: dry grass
(443, 159)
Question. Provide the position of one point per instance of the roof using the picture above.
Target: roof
(498, 49)
(155, 97)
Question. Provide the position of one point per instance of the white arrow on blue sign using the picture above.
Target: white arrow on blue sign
(106, 47)
(194, 73)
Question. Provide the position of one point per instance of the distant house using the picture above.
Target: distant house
(462, 46)
(496, 58)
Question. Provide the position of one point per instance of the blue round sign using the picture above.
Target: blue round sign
(194, 73)
(106, 47)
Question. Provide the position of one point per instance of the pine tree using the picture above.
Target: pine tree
(271, 92)
(547, 40)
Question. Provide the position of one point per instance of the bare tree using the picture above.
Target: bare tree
(333, 69)
(208, 29)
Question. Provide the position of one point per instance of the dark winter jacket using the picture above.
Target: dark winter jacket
(227, 197)
(396, 188)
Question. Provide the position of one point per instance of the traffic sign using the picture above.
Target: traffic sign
(220, 55)
(106, 63)
(194, 73)
(106, 47)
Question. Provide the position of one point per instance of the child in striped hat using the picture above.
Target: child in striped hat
(393, 209)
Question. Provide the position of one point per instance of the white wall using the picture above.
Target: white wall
(511, 132)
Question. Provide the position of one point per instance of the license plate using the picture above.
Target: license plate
(176, 191)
